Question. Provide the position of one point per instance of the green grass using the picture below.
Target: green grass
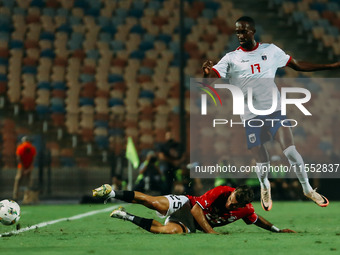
(318, 233)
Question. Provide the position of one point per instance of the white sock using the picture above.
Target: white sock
(112, 194)
(296, 160)
(262, 173)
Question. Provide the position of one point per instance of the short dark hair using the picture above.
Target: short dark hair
(244, 194)
(247, 19)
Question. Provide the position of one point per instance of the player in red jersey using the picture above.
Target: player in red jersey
(26, 153)
(217, 207)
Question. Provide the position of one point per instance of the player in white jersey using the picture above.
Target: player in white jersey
(244, 67)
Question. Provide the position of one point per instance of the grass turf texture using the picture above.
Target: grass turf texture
(318, 233)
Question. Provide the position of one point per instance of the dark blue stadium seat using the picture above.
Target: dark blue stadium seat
(16, 44)
(86, 101)
(29, 69)
(102, 141)
(60, 85)
(115, 78)
(138, 54)
(47, 36)
(44, 85)
(147, 94)
(115, 101)
(47, 53)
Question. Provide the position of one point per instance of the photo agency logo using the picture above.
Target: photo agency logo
(245, 104)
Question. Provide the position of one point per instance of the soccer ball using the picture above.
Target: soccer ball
(9, 212)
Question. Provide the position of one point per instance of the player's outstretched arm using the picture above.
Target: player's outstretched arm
(198, 214)
(206, 68)
(263, 223)
(310, 67)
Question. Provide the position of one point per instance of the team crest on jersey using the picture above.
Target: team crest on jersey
(264, 57)
(252, 138)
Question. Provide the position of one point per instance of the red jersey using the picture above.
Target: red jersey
(213, 206)
(26, 152)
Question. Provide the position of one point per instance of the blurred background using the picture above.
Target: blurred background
(81, 76)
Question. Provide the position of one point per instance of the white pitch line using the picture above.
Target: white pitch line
(44, 224)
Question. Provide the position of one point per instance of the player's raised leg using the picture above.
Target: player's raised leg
(150, 225)
(261, 155)
(158, 203)
(285, 138)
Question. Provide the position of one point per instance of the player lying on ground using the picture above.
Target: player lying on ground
(217, 207)
(249, 66)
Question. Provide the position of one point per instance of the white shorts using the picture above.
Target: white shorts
(175, 203)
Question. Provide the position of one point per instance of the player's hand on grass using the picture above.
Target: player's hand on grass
(287, 230)
(207, 65)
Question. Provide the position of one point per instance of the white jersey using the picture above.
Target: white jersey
(256, 69)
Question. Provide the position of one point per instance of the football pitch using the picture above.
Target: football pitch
(88, 229)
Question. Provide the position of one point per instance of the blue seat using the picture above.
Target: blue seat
(115, 101)
(109, 29)
(44, 85)
(147, 94)
(16, 44)
(320, 7)
(56, 101)
(73, 20)
(101, 123)
(95, 12)
(47, 36)
(121, 13)
(137, 13)
(298, 16)
(60, 85)
(47, 53)
(155, 5)
(8, 3)
(146, 45)
(149, 38)
(93, 54)
(137, 29)
(62, 12)
(138, 5)
(101, 141)
(112, 78)
(84, 78)
(80, 4)
(65, 28)
(138, 54)
(86, 101)
(117, 45)
(105, 37)
(116, 132)
(3, 61)
(19, 11)
(94, 4)
(48, 12)
(325, 146)
(208, 13)
(116, 21)
(212, 5)
(103, 21)
(4, 36)
(164, 38)
(43, 111)
(3, 77)
(37, 3)
(146, 70)
(29, 69)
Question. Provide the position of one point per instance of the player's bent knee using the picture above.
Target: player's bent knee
(172, 228)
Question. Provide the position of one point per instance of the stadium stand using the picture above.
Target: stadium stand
(99, 71)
